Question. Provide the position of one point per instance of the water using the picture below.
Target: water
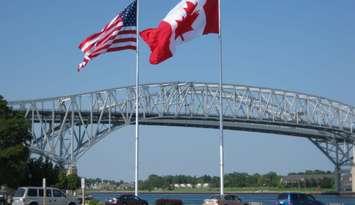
(197, 199)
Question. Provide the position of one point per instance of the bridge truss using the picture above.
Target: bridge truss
(64, 128)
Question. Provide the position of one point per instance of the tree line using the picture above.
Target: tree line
(232, 180)
(106, 181)
(17, 167)
(241, 180)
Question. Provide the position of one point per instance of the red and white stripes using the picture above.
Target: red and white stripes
(119, 34)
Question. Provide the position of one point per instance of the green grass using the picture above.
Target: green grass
(94, 202)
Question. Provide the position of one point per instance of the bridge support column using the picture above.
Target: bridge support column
(339, 153)
(72, 170)
(337, 171)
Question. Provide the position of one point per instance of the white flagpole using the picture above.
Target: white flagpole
(221, 140)
(137, 104)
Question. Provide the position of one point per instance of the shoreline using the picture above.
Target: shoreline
(352, 194)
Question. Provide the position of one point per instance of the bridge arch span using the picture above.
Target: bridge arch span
(64, 128)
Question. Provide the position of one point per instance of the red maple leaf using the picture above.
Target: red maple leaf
(185, 24)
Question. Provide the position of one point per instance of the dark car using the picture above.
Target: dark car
(127, 199)
(297, 199)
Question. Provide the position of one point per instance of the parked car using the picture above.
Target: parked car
(126, 199)
(297, 199)
(34, 196)
(229, 199)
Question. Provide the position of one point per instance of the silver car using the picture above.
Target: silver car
(34, 196)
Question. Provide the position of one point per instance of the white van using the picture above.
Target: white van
(34, 196)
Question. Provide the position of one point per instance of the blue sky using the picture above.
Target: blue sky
(306, 46)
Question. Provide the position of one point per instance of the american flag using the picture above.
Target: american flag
(119, 34)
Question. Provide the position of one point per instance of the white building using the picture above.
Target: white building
(206, 185)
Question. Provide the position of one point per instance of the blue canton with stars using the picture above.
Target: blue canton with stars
(129, 15)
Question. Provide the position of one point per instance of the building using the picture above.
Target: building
(346, 180)
(305, 180)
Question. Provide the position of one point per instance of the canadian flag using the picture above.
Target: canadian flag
(189, 19)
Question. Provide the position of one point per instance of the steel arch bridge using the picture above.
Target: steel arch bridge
(64, 128)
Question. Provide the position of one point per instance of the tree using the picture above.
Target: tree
(14, 138)
(39, 169)
(327, 183)
(273, 179)
(62, 181)
(73, 182)
(68, 182)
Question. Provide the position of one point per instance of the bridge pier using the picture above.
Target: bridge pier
(337, 170)
(72, 170)
(339, 153)
(337, 173)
